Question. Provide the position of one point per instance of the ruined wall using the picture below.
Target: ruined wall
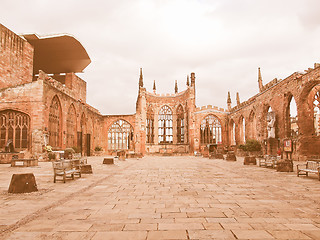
(277, 95)
(92, 119)
(16, 59)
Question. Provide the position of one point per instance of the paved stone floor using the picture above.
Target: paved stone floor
(163, 198)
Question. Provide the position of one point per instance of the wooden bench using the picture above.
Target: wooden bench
(268, 161)
(28, 162)
(309, 167)
(66, 169)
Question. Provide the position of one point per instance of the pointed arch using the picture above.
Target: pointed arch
(291, 118)
(165, 132)
(242, 130)
(120, 136)
(232, 131)
(316, 109)
(252, 125)
(55, 122)
(150, 125)
(210, 130)
(71, 126)
(180, 124)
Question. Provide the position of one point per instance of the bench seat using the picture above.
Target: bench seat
(65, 169)
(309, 167)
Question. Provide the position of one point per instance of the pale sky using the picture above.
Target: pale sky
(222, 41)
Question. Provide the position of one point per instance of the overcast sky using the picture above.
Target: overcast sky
(222, 41)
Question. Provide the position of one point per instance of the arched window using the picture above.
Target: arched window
(180, 125)
(120, 136)
(292, 118)
(210, 130)
(14, 127)
(54, 122)
(71, 126)
(233, 133)
(316, 112)
(242, 130)
(165, 125)
(252, 126)
(271, 119)
(150, 125)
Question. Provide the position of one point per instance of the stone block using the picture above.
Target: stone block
(285, 166)
(249, 160)
(216, 156)
(231, 156)
(23, 183)
(86, 169)
(108, 160)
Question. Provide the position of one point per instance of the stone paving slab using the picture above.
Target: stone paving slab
(163, 198)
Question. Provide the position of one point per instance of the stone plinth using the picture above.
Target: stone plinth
(108, 160)
(216, 156)
(249, 160)
(23, 183)
(24, 162)
(231, 156)
(285, 166)
(86, 169)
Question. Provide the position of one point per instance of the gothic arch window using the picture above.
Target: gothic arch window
(232, 133)
(71, 126)
(252, 125)
(150, 125)
(316, 112)
(54, 122)
(120, 136)
(292, 119)
(14, 127)
(180, 125)
(210, 130)
(242, 130)
(165, 125)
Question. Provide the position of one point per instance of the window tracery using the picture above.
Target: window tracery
(54, 122)
(210, 130)
(14, 126)
(165, 125)
(120, 136)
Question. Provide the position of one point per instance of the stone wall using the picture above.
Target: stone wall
(16, 59)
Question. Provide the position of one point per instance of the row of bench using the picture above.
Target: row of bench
(311, 166)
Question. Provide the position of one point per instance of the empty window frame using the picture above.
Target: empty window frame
(14, 127)
(165, 125)
(210, 130)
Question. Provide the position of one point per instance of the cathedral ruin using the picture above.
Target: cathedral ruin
(43, 102)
